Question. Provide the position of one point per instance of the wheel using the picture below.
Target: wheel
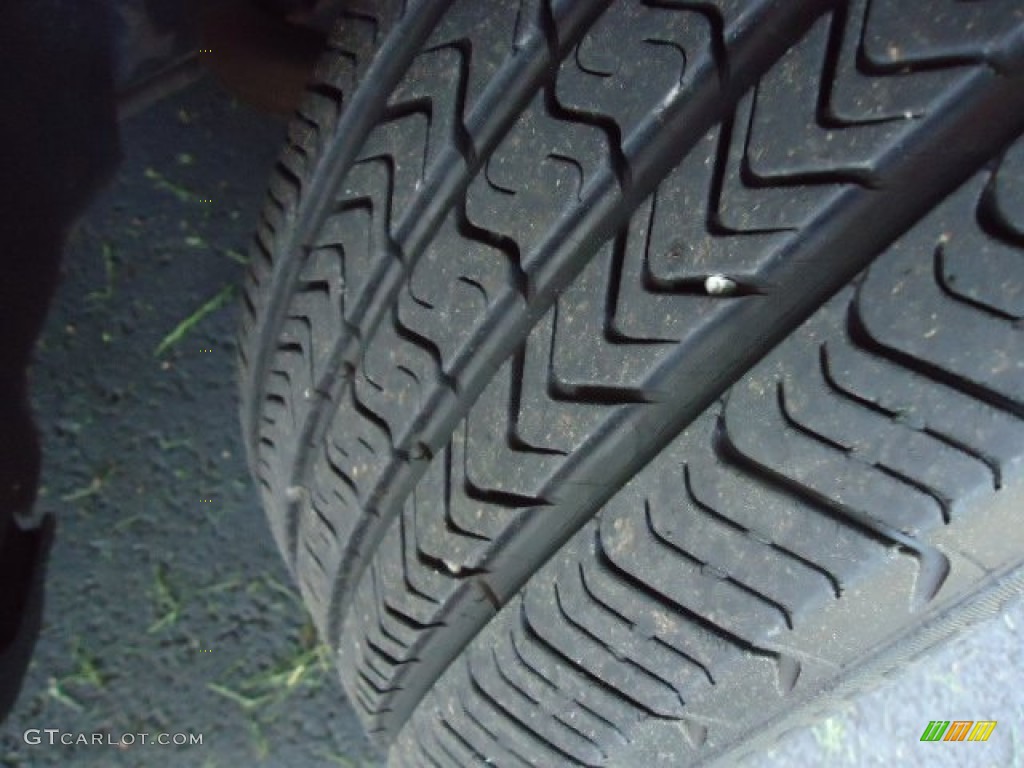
(626, 380)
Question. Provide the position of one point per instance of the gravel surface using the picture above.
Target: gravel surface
(168, 608)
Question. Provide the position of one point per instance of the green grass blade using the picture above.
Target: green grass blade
(192, 320)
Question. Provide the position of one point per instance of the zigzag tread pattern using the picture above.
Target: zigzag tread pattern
(364, 392)
(310, 134)
(271, 384)
(730, 207)
(826, 487)
(392, 385)
(388, 391)
(579, 149)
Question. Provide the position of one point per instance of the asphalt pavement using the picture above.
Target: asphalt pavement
(168, 609)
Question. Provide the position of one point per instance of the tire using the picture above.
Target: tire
(620, 371)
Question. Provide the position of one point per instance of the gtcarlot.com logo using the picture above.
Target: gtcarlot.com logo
(55, 737)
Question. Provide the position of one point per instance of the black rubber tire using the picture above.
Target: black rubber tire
(615, 371)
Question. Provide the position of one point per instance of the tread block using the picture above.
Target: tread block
(393, 379)
(633, 55)
(897, 35)
(590, 355)
(456, 283)
(512, 197)
(498, 462)
(979, 347)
